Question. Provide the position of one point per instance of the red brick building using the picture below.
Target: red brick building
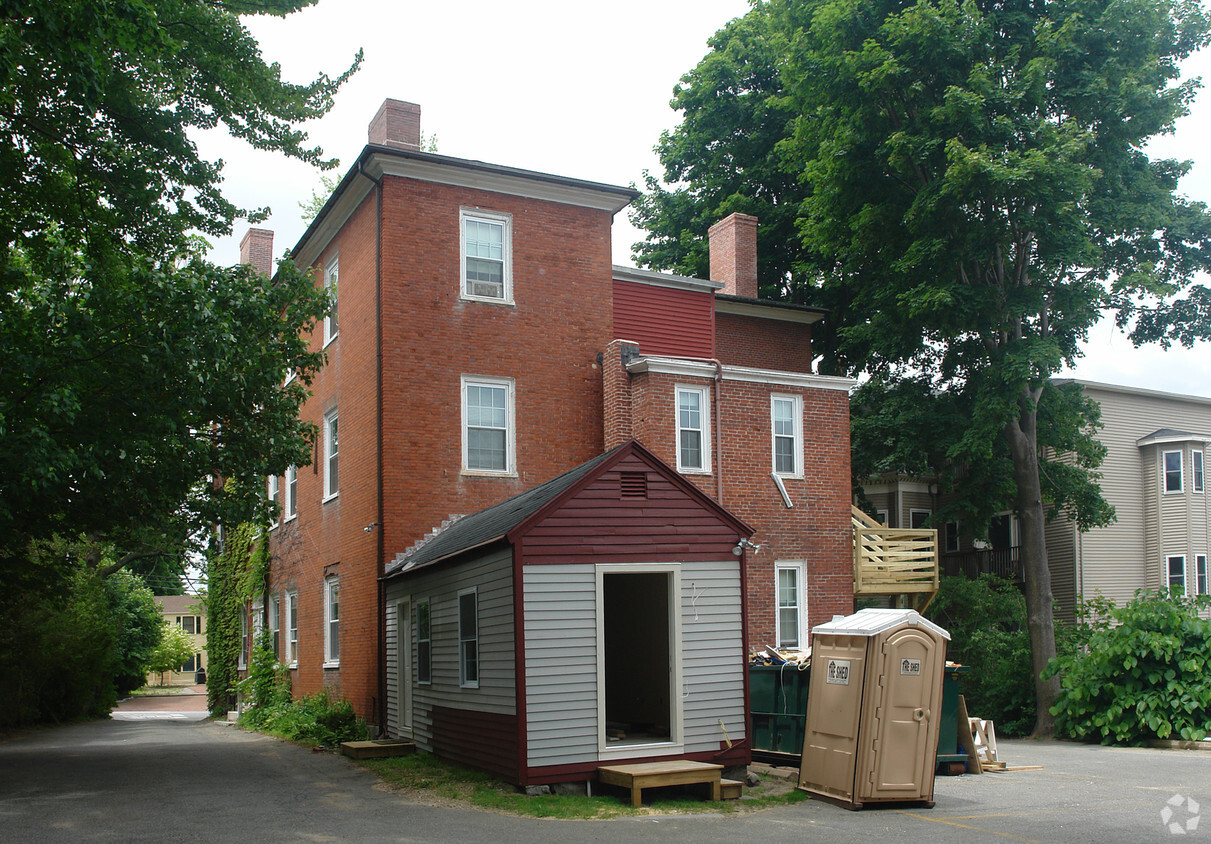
(483, 344)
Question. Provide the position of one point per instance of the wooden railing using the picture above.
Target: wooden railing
(1003, 562)
(893, 561)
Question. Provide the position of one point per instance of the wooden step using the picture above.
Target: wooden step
(377, 749)
(731, 789)
(654, 774)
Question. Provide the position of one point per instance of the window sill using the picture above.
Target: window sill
(694, 471)
(290, 518)
(625, 751)
(468, 685)
(487, 300)
(336, 664)
(328, 498)
(292, 665)
(484, 473)
(330, 341)
(788, 477)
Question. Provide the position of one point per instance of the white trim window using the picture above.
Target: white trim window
(292, 629)
(1196, 470)
(1200, 573)
(424, 643)
(271, 495)
(792, 604)
(488, 426)
(468, 638)
(693, 430)
(918, 518)
(291, 506)
(332, 622)
(786, 435)
(331, 277)
(275, 631)
(486, 255)
(1175, 566)
(1171, 471)
(242, 662)
(331, 452)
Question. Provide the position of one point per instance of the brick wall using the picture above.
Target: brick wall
(783, 346)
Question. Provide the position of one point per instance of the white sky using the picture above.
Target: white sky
(574, 90)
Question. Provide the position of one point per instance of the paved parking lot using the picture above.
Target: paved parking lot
(164, 778)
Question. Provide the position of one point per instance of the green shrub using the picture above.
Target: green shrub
(986, 619)
(1142, 674)
(315, 719)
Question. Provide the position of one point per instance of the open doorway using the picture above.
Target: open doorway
(638, 637)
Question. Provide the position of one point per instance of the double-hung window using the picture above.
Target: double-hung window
(331, 451)
(424, 644)
(1196, 470)
(271, 490)
(1200, 573)
(693, 430)
(487, 423)
(275, 613)
(332, 622)
(291, 507)
(331, 276)
(1177, 573)
(786, 424)
(792, 605)
(468, 638)
(1173, 471)
(487, 255)
(292, 628)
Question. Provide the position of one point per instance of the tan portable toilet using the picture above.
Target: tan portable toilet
(873, 708)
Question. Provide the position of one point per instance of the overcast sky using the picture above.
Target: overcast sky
(570, 89)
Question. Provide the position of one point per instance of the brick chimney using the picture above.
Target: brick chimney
(733, 242)
(257, 249)
(397, 124)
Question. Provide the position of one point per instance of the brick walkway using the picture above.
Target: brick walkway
(192, 699)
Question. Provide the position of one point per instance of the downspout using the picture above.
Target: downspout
(380, 541)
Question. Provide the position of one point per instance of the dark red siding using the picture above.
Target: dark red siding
(665, 320)
(486, 741)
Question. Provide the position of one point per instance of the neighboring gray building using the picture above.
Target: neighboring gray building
(1154, 475)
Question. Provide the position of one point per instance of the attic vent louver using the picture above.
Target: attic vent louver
(634, 484)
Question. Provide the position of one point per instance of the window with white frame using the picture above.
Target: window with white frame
(275, 612)
(290, 508)
(1173, 471)
(487, 255)
(1196, 470)
(487, 425)
(242, 662)
(271, 492)
(191, 665)
(918, 518)
(292, 628)
(331, 451)
(191, 624)
(693, 429)
(792, 605)
(468, 638)
(1200, 573)
(331, 276)
(786, 423)
(424, 644)
(258, 624)
(332, 622)
(1176, 565)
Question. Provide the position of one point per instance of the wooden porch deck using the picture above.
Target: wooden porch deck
(894, 561)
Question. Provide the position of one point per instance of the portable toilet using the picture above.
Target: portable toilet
(873, 708)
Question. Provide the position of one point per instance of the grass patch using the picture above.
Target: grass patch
(427, 779)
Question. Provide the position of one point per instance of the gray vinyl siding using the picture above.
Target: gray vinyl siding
(561, 660)
(561, 663)
(491, 575)
(712, 644)
(392, 669)
(1127, 555)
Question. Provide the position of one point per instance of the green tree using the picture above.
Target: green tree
(137, 628)
(134, 370)
(975, 195)
(174, 649)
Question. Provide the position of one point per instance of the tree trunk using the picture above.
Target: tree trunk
(1023, 446)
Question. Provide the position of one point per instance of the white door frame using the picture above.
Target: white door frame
(403, 665)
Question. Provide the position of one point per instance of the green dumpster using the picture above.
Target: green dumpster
(778, 703)
(949, 749)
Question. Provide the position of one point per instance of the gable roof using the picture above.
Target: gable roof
(512, 516)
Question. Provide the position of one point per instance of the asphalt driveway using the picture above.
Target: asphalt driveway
(161, 779)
